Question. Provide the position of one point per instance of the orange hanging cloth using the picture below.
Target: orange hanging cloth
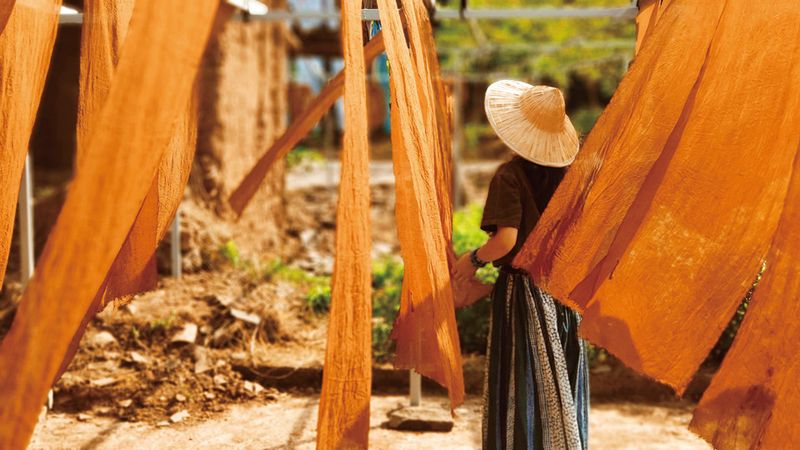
(660, 226)
(753, 399)
(347, 376)
(5, 12)
(649, 13)
(134, 270)
(104, 28)
(681, 187)
(425, 329)
(150, 88)
(26, 43)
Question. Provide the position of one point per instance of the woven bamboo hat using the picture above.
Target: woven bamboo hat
(532, 121)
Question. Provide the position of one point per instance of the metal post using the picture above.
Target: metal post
(414, 388)
(26, 232)
(26, 222)
(372, 14)
(175, 245)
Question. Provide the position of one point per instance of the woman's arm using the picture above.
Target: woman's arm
(498, 246)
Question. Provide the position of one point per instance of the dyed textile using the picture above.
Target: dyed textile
(299, 129)
(668, 147)
(6, 6)
(649, 13)
(347, 376)
(134, 269)
(536, 389)
(150, 88)
(103, 34)
(425, 329)
(658, 230)
(752, 401)
(26, 44)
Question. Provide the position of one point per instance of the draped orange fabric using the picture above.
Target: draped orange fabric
(6, 6)
(134, 270)
(151, 87)
(104, 27)
(347, 377)
(752, 401)
(660, 226)
(26, 44)
(619, 152)
(649, 13)
(684, 184)
(425, 329)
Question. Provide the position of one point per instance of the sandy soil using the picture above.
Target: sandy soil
(132, 406)
(289, 422)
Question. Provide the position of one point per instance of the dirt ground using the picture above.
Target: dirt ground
(230, 356)
(289, 421)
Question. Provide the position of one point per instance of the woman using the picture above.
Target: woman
(536, 388)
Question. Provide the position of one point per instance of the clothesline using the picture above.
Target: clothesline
(370, 14)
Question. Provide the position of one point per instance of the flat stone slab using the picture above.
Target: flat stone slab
(420, 418)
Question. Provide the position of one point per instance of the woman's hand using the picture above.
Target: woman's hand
(465, 294)
(464, 271)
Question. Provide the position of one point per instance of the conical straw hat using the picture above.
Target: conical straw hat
(532, 121)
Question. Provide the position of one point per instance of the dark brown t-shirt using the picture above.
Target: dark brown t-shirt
(518, 194)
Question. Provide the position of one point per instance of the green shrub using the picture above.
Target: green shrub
(584, 119)
(467, 233)
(467, 236)
(230, 252)
(475, 132)
(303, 155)
(278, 270)
(387, 282)
(318, 297)
(726, 339)
(595, 355)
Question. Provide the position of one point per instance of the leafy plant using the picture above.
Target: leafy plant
(387, 282)
(726, 339)
(540, 50)
(303, 155)
(467, 236)
(230, 252)
(318, 297)
(584, 119)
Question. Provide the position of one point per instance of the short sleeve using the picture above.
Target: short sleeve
(503, 203)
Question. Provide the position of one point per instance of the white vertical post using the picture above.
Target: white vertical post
(414, 388)
(26, 222)
(175, 245)
(26, 232)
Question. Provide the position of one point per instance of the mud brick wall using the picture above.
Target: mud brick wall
(244, 108)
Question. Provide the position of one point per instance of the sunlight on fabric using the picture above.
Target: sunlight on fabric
(254, 7)
(67, 11)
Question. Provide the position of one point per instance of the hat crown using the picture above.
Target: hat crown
(544, 107)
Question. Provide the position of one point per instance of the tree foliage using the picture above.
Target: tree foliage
(557, 51)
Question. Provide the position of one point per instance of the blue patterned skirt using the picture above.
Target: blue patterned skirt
(536, 393)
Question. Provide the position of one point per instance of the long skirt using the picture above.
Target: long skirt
(536, 393)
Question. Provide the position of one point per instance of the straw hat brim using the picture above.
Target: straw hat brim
(553, 148)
